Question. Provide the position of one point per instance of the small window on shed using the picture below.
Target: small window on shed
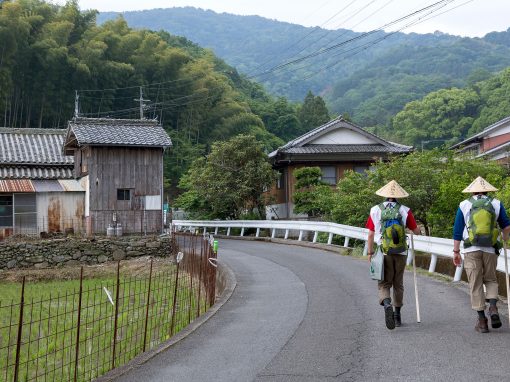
(6, 211)
(123, 194)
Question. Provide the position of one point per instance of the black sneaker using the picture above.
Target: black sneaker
(388, 317)
(397, 319)
(495, 320)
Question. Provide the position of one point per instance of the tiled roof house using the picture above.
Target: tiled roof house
(38, 191)
(336, 146)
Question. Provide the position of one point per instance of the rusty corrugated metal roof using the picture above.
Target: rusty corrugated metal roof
(16, 185)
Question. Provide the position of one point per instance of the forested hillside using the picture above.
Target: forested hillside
(50, 54)
(371, 85)
(448, 116)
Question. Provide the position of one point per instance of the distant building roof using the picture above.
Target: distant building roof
(34, 154)
(479, 137)
(322, 141)
(115, 132)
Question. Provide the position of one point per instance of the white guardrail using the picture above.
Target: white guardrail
(433, 246)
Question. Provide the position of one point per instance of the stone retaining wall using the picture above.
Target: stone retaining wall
(74, 251)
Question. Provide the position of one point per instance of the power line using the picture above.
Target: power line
(343, 43)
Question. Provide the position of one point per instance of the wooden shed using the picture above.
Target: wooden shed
(120, 164)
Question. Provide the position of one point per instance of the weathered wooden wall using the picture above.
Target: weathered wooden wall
(113, 168)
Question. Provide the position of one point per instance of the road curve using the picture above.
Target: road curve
(303, 314)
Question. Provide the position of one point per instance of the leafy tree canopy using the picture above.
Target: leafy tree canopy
(229, 181)
(434, 179)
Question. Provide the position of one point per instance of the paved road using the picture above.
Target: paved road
(302, 314)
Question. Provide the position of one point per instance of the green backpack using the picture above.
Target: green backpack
(481, 225)
(393, 234)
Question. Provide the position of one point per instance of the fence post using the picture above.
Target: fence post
(78, 323)
(116, 315)
(20, 326)
(147, 309)
(175, 301)
(200, 280)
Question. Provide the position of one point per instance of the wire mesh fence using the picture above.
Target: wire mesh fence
(126, 222)
(82, 333)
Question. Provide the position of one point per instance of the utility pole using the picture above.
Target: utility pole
(141, 101)
(76, 105)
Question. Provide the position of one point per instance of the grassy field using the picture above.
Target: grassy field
(50, 319)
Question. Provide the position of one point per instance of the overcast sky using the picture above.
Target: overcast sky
(470, 18)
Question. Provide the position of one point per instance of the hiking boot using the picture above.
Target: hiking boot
(388, 317)
(482, 326)
(495, 320)
(397, 319)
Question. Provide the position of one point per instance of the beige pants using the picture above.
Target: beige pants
(394, 267)
(481, 269)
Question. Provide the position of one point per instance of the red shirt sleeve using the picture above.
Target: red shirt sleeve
(410, 221)
(370, 224)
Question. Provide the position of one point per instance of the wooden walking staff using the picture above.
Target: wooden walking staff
(506, 277)
(418, 318)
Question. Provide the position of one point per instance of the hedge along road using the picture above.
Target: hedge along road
(304, 314)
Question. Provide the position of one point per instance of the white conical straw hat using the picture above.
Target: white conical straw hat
(392, 190)
(480, 185)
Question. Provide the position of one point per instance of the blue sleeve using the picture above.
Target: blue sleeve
(458, 226)
(503, 220)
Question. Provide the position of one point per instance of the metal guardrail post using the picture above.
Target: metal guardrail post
(346, 242)
(365, 249)
(258, 232)
(228, 231)
(315, 235)
(216, 230)
(330, 238)
(273, 233)
(458, 273)
(300, 238)
(242, 232)
(286, 234)
(409, 260)
(433, 263)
